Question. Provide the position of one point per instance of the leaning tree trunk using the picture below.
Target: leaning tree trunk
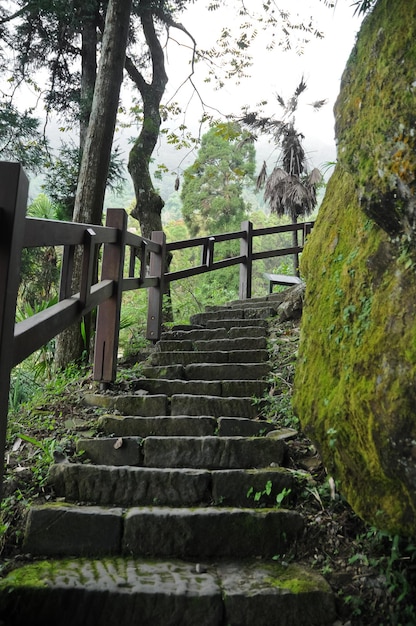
(149, 204)
(95, 160)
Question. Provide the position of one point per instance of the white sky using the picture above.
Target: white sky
(277, 71)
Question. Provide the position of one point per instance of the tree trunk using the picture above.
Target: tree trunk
(88, 70)
(97, 150)
(295, 244)
(149, 204)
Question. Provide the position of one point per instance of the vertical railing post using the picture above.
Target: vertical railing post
(246, 266)
(13, 198)
(157, 269)
(108, 319)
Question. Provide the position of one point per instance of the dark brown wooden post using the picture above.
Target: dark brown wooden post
(13, 198)
(108, 320)
(246, 266)
(157, 269)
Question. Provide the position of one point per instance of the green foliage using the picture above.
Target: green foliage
(20, 138)
(394, 558)
(62, 176)
(213, 185)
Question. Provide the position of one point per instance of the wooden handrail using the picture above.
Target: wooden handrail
(147, 270)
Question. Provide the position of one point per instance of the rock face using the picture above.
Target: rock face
(356, 374)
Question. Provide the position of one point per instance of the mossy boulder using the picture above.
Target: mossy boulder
(355, 387)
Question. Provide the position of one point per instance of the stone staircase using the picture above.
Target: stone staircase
(171, 519)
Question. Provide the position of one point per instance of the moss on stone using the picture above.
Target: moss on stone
(376, 116)
(355, 382)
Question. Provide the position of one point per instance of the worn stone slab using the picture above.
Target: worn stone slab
(209, 532)
(130, 486)
(166, 345)
(184, 358)
(248, 388)
(247, 356)
(170, 372)
(264, 594)
(187, 404)
(217, 356)
(247, 331)
(170, 387)
(235, 323)
(145, 405)
(66, 530)
(115, 591)
(212, 452)
(112, 450)
(255, 487)
(243, 427)
(234, 313)
(237, 343)
(111, 592)
(228, 371)
(193, 335)
(163, 426)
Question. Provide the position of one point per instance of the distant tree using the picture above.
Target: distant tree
(20, 137)
(290, 189)
(212, 192)
(39, 272)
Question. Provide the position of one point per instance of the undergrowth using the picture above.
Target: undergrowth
(372, 572)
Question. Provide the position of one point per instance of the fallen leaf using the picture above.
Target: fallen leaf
(118, 444)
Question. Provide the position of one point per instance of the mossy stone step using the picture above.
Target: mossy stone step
(194, 334)
(227, 371)
(229, 324)
(209, 371)
(192, 452)
(202, 532)
(115, 591)
(183, 425)
(165, 386)
(209, 345)
(217, 406)
(234, 314)
(250, 328)
(143, 404)
(215, 356)
(181, 487)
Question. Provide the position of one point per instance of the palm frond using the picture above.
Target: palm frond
(318, 104)
(262, 177)
(315, 177)
(300, 88)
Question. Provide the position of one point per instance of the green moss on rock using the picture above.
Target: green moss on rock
(376, 116)
(355, 383)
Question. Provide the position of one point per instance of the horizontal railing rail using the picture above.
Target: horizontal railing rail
(101, 288)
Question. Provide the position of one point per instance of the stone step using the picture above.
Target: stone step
(116, 591)
(130, 404)
(217, 406)
(229, 324)
(234, 314)
(217, 333)
(192, 452)
(165, 386)
(195, 334)
(186, 345)
(223, 371)
(206, 532)
(253, 303)
(210, 371)
(183, 425)
(124, 486)
(218, 356)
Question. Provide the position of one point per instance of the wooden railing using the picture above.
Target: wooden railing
(18, 341)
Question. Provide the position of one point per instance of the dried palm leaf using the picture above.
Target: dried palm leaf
(262, 177)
